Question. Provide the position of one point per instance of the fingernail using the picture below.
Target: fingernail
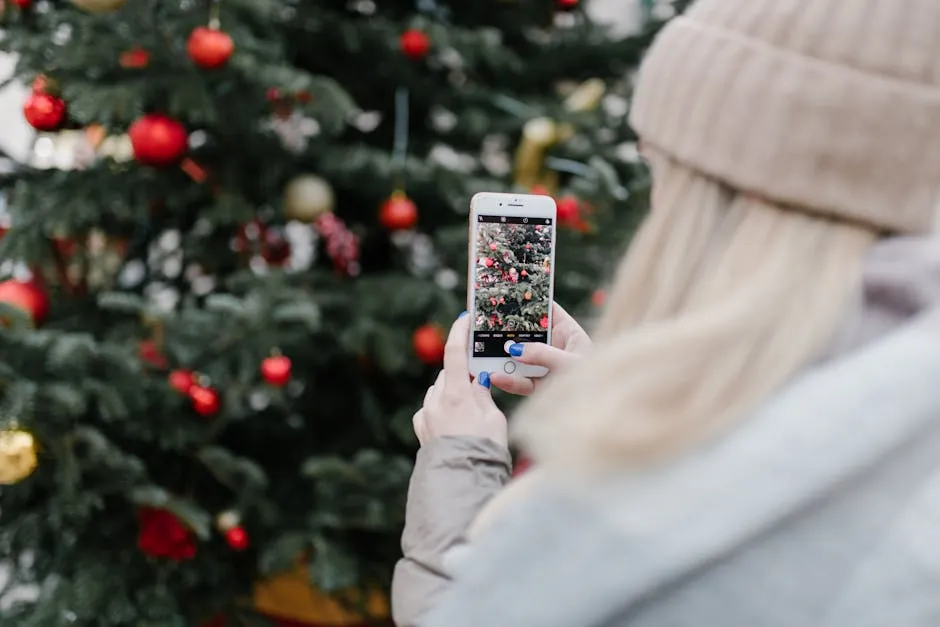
(515, 350)
(462, 314)
(484, 379)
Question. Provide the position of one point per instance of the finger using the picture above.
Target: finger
(559, 315)
(456, 360)
(435, 389)
(513, 384)
(538, 354)
(419, 425)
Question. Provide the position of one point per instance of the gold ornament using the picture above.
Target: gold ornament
(540, 134)
(307, 197)
(17, 456)
(99, 6)
(227, 520)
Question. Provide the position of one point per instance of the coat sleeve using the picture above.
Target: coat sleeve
(453, 479)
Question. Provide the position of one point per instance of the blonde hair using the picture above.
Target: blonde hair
(720, 299)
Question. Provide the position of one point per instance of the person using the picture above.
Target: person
(753, 437)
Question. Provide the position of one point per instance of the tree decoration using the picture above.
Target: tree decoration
(205, 400)
(99, 6)
(18, 458)
(209, 48)
(398, 213)
(568, 5)
(598, 298)
(540, 134)
(43, 111)
(22, 4)
(158, 140)
(150, 353)
(276, 369)
(237, 538)
(227, 520)
(26, 296)
(428, 343)
(415, 44)
(307, 197)
(134, 59)
(342, 245)
(162, 535)
(182, 381)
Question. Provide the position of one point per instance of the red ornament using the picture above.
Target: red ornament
(209, 48)
(43, 111)
(237, 538)
(150, 354)
(524, 273)
(567, 5)
(162, 535)
(598, 298)
(544, 322)
(23, 4)
(205, 400)
(158, 140)
(528, 246)
(398, 213)
(28, 297)
(415, 44)
(569, 211)
(428, 343)
(492, 246)
(342, 245)
(134, 59)
(182, 381)
(276, 370)
(540, 190)
(488, 262)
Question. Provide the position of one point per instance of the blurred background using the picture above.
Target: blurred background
(232, 235)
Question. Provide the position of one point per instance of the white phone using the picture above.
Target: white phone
(511, 279)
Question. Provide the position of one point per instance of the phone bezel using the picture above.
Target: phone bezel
(499, 204)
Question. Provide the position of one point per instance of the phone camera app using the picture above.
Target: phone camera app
(512, 280)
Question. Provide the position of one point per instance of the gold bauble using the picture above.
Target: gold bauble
(99, 6)
(17, 456)
(307, 197)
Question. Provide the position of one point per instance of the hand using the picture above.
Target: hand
(455, 405)
(569, 342)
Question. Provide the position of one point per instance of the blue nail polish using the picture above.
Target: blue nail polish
(484, 379)
(515, 350)
(462, 314)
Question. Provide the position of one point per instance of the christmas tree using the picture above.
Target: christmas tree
(227, 270)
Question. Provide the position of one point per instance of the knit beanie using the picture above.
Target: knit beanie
(830, 106)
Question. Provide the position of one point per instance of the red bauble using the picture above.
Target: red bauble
(28, 297)
(134, 59)
(43, 111)
(162, 535)
(237, 538)
(428, 342)
(569, 211)
(567, 5)
(488, 262)
(158, 140)
(524, 273)
(276, 370)
(544, 322)
(398, 213)
(23, 4)
(209, 48)
(205, 400)
(598, 298)
(415, 44)
(182, 381)
(151, 354)
(540, 190)
(492, 246)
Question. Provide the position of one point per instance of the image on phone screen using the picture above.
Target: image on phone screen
(512, 282)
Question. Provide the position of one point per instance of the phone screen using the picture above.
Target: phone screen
(512, 282)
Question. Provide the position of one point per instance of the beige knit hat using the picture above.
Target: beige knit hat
(832, 106)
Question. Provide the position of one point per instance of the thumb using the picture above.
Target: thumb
(538, 354)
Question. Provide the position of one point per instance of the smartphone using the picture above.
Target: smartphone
(511, 278)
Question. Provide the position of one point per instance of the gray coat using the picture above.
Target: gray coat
(822, 509)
